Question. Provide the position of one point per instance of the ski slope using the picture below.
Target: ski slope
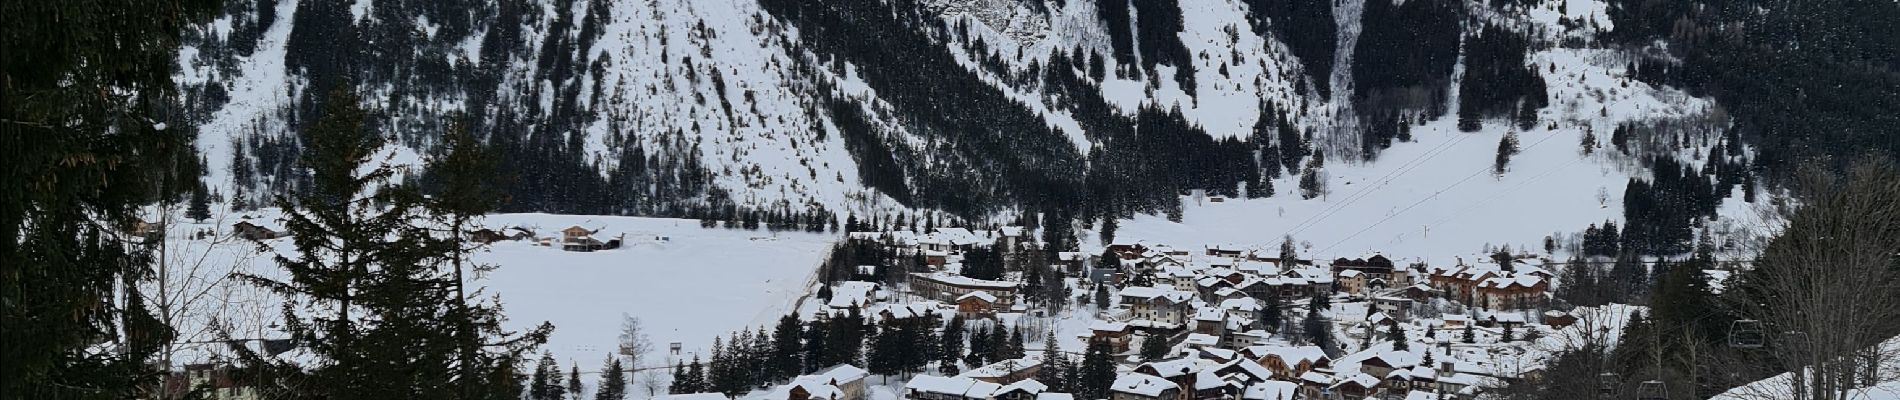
(1439, 195)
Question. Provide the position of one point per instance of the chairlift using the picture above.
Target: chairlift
(1746, 334)
(1652, 390)
(1606, 382)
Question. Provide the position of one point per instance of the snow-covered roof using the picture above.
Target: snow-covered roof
(1030, 386)
(844, 373)
(1141, 384)
(1003, 368)
(1199, 339)
(852, 293)
(695, 396)
(1055, 396)
(1152, 292)
(979, 295)
(1270, 390)
(1175, 367)
(964, 281)
(1363, 380)
(1106, 326)
(955, 386)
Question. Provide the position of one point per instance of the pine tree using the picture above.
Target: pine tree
(952, 348)
(1016, 348)
(817, 351)
(1097, 372)
(786, 349)
(371, 260)
(574, 382)
(84, 146)
(1471, 335)
(613, 381)
(199, 209)
(1397, 337)
(1270, 315)
(1507, 147)
(1589, 142)
(997, 342)
(1153, 347)
(546, 384)
(1101, 297)
(1053, 369)
(980, 346)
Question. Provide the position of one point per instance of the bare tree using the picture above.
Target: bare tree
(633, 341)
(1827, 290)
(655, 379)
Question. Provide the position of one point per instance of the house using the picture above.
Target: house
(250, 231)
(1159, 304)
(486, 235)
(694, 396)
(949, 288)
(1139, 386)
(1288, 362)
(1398, 308)
(217, 379)
(1351, 282)
(976, 304)
(1027, 389)
(578, 239)
(1356, 386)
(1115, 334)
(1072, 262)
(840, 382)
(1512, 291)
(1559, 319)
(850, 294)
(1007, 372)
(931, 387)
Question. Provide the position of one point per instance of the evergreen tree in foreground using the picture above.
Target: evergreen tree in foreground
(372, 268)
(1153, 348)
(84, 144)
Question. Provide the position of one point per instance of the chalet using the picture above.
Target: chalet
(1139, 386)
(1006, 371)
(976, 304)
(1072, 262)
(1115, 334)
(1352, 282)
(578, 239)
(1027, 389)
(850, 294)
(949, 288)
(1287, 362)
(931, 387)
(1356, 386)
(250, 231)
(935, 258)
(1210, 321)
(1227, 250)
(1559, 319)
(486, 235)
(840, 382)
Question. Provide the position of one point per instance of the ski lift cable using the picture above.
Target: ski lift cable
(1422, 200)
(1498, 195)
(1367, 190)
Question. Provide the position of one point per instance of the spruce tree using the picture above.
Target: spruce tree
(1153, 347)
(786, 348)
(84, 144)
(574, 382)
(613, 381)
(1397, 336)
(1507, 147)
(199, 209)
(1270, 315)
(546, 384)
(1053, 369)
(1016, 348)
(1471, 335)
(952, 348)
(817, 345)
(1097, 372)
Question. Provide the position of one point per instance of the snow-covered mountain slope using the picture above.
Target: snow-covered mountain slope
(976, 107)
(1440, 195)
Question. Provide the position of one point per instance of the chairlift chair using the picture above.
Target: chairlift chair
(1606, 382)
(1746, 334)
(1652, 390)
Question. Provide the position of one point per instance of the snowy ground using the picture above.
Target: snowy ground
(1438, 195)
(696, 285)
